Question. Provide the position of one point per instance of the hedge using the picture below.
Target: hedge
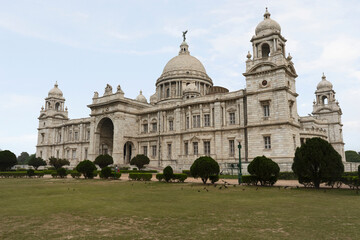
(140, 176)
(179, 177)
(137, 171)
(249, 180)
(18, 174)
(187, 172)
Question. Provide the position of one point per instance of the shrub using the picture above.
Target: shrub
(140, 176)
(105, 173)
(181, 177)
(61, 172)
(115, 175)
(160, 176)
(30, 172)
(352, 181)
(104, 160)
(168, 173)
(7, 160)
(75, 174)
(317, 161)
(249, 180)
(58, 162)
(187, 172)
(36, 162)
(87, 168)
(265, 170)
(204, 167)
(54, 175)
(287, 176)
(140, 161)
(359, 171)
(214, 178)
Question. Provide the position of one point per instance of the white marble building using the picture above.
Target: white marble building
(188, 116)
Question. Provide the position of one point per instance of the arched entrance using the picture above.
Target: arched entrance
(128, 150)
(106, 130)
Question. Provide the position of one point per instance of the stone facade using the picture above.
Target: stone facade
(188, 117)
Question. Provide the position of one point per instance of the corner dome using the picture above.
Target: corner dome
(55, 91)
(324, 84)
(267, 25)
(141, 98)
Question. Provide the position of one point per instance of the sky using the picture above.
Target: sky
(86, 44)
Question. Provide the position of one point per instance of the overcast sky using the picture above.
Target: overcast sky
(86, 44)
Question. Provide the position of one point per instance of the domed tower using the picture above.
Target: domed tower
(54, 106)
(271, 94)
(179, 72)
(327, 108)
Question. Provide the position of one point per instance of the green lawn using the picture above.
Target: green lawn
(98, 209)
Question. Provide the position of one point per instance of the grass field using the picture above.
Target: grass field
(99, 209)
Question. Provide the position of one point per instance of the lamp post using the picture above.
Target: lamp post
(239, 165)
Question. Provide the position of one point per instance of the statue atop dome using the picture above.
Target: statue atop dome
(184, 35)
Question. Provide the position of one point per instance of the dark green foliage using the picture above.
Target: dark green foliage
(13, 174)
(265, 170)
(58, 162)
(204, 167)
(105, 173)
(179, 177)
(287, 176)
(168, 173)
(352, 181)
(187, 172)
(87, 168)
(140, 176)
(115, 175)
(36, 162)
(23, 158)
(352, 156)
(249, 179)
(75, 174)
(137, 171)
(61, 172)
(30, 172)
(214, 178)
(316, 162)
(7, 160)
(140, 161)
(104, 160)
(359, 171)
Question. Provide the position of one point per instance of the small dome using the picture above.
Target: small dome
(267, 25)
(324, 84)
(141, 98)
(191, 88)
(55, 92)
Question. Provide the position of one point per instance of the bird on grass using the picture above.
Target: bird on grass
(198, 190)
(243, 189)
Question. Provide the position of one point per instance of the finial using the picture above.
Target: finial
(248, 55)
(289, 57)
(140, 92)
(184, 35)
(42, 108)
(323, 76)
(266, 14)
(66, 108)
(56, 84)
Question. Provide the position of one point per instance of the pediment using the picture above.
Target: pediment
(261, 67)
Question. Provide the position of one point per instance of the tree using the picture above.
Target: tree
(36, 162)
(265, 170)
(58, 162)
(316, 162)
(168, 173)
(352, 156)
(204, 167)
(7, 160)
(87, 168)
(140, 161)
(104, 160)
(23, 158)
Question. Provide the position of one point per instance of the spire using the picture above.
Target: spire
(266, 14)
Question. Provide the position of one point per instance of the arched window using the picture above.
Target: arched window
(265, 50)
(168, 92)
(324, 100)
(48, 106)
(57, 106)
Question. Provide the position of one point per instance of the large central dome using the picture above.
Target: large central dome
(184, 63)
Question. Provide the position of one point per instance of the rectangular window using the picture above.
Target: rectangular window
(86, 153)
(266, 108)
(171, 125)
(154, 127)
(169, 150)
(196, 148)
(206, 120)
(153, 149)
(57, 154)
(42, 137)
(145, 128)
(267, 142)
(186, 148)
(88, 135)
(196, 121)
(187, 123)
(207, 148)
(145, 150)
(232, 118)
(76, 136)
(231, 147)
(70, 136)
(294, 141)
(73, 153)
(68, 154)
(41, 154)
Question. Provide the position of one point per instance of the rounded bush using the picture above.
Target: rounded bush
(140, 161)
(168, 173)
(105, 173)
(61, 172)
(214, 178)
(265, 170)
(204, 167)
(30, 172)
(87, 168)
(103, 160)
(7, 160)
